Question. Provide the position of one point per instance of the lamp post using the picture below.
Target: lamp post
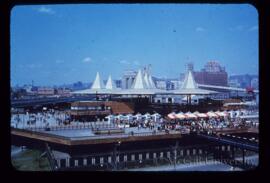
(115, 154)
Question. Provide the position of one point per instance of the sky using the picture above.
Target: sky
(62, 44)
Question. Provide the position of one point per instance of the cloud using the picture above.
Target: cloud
(59, 61)
(237, 28)
(200, 29)
(253, 28)
(33, 66)
(46, 10)
(136, 63)
(86, 60)
(123, 62)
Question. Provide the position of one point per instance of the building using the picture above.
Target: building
(254, 83)
(234, 83)
(164, 84)
(45, 91)
(128, 79)
(245, 80)
(118, 83)
(63, 92)
(94, 110)
(212, 74)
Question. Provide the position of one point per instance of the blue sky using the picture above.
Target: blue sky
(57, 44)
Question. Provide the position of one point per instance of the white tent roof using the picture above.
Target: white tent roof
(189, 82)
(151, 82)
(110, 85)
(139, 82)
(98, 83)
(190, 87)
(147, 80)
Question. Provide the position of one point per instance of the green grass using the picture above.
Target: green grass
(29, 161)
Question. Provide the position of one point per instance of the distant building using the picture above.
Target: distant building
(234, 83)
(63, 92)
(118, 83)
(212, 74)
(128, 79)
(245, 80)
(45, 91)
(255, 83)
(161, 84)
(167, 84)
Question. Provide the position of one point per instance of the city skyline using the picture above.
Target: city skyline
(56, 44)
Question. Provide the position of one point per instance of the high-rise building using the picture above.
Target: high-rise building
(212, 74)
(255, 83)
(128, 79)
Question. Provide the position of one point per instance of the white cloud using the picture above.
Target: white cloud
(59, 61)
(123, 62)
(86, 60)
(33, 66)
(237, 28)
(253, 28)
(46, 10)
(200, 29)
(136, 62)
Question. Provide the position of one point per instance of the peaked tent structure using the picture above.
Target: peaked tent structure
(139, 82)
(152, 84)
(110, 85)
(97, 87)
(189, 81)
(98, 83)
(147, 80)
(190, 87)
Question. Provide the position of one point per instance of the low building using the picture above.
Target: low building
(63, 92)
(98, 110)
(45, 91)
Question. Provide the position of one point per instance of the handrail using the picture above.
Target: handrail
(104, 136)
(245, 145)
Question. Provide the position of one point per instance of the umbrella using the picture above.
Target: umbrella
(138, 116)
(212, 114)
(129, 117)
(172, 115)
(201, 115)
(156, 116)
(190, 115)
(120, 116)
(147, 115)
(181, 115)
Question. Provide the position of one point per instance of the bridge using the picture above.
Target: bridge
(47, 101)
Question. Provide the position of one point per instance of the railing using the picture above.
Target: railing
(73, 127)
(231, 142)
(52, 160)
(104, 136)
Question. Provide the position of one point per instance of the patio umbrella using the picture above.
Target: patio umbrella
(155, 116)
(200, 115)
(211, 114)
(147, 115)
(181, 115)
(190, 115)
(171, 115)
(138, 116)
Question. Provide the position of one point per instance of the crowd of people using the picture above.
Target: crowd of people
(59, 118)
